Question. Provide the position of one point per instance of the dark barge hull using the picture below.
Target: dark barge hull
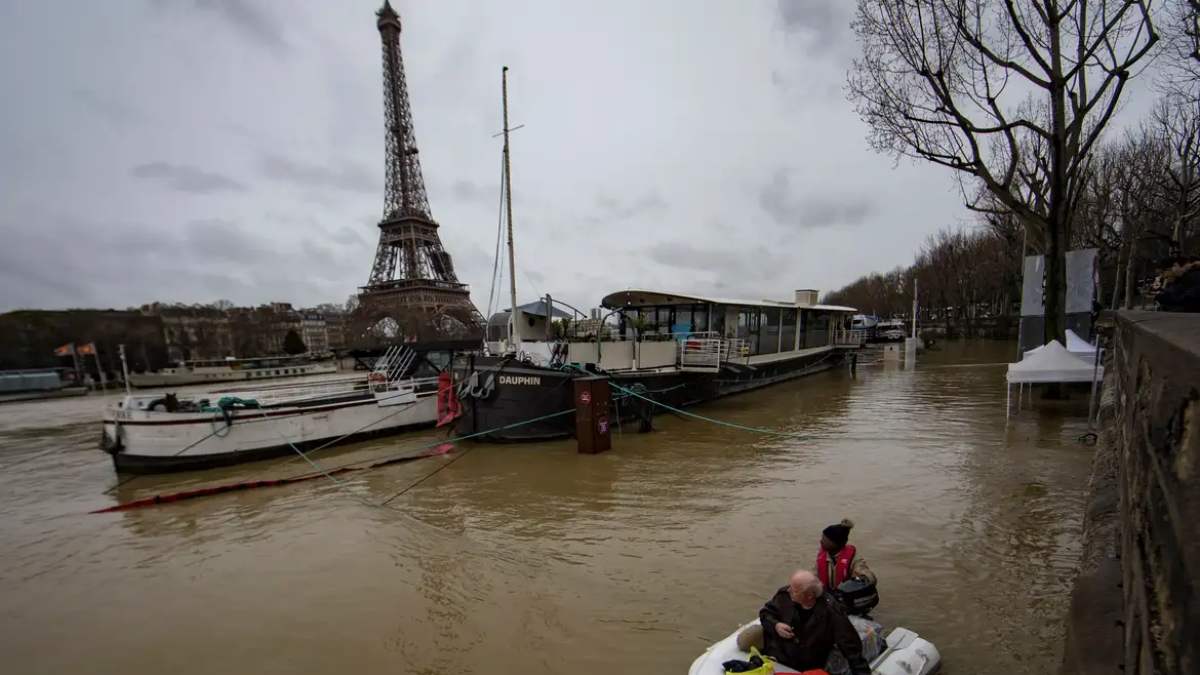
(523, 392)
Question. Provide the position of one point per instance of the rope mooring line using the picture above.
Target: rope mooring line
(475, 435)
(429, 450)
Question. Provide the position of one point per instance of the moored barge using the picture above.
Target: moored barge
(674, 348)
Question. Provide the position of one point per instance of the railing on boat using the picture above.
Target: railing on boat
(851, 337)
(300, 393)
(735, 349)
(700, 352)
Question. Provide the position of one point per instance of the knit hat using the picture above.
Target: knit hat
(839, 533)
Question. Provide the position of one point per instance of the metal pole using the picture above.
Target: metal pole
(75, 360)
(549, 318)
(99, 367)
(914, 316)
(512, 263)
(124, 366)
(1092, 398)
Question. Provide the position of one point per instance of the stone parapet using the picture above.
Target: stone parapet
(1134, 609)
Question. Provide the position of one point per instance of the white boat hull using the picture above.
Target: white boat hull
(906, 654)
(153, 441)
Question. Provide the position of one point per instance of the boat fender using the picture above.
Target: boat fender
(112, 445)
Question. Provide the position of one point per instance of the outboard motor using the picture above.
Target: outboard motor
(858, 596)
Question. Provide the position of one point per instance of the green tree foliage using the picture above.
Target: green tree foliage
(292, 344)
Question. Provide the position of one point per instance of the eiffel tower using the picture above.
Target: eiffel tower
(413, 292)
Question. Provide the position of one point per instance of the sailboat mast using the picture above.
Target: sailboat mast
(512, 263)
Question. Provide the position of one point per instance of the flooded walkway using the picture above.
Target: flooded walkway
(530, 558)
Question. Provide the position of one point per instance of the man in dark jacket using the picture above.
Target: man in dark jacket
(801, 625)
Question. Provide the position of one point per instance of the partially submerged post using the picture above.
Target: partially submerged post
(591, 415)
(910, 344)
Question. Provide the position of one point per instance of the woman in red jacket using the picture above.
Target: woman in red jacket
(838, 561)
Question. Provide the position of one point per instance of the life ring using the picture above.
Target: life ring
(377, 378)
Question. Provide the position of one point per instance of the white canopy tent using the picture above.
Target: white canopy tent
(1050, 363)
(1077, 345)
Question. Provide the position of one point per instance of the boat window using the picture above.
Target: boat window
(787, 331)
(683, 320)
(768, 334)
(749, 321)
(816, 330)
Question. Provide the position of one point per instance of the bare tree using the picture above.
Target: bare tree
(1176, 119)
(1015, 93)
(1182, 32)
(1189, 20)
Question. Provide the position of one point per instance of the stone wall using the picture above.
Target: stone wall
(1134, 609)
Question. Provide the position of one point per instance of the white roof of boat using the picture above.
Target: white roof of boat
(638, 297)
(1052, 363)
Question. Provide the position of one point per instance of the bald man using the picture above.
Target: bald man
(801, 625)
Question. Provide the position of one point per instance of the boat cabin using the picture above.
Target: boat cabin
(659, 329)
(536, 325)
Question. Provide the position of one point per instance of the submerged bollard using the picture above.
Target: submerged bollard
(591, 415)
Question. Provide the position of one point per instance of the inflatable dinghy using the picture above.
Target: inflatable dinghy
(903, 652)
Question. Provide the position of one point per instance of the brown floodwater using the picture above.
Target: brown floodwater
(532, 558)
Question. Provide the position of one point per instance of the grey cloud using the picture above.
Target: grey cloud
(348, 235)
(468, 191)
(349, 176)
(333, 230)
(610, 209)
(753, 263)
(110, 108)
(249, 19)
(217, 239)
(187, 178)
(130, 263)
(787, 208)
(22, 271)
(819, 21)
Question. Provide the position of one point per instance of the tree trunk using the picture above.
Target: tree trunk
(1116, 294)
(1057, 233)
(1129, 276)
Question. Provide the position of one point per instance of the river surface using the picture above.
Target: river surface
(517, 559)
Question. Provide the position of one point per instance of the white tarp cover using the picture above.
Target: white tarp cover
(1080, 277)
(1051, 363)
(1081, 280)
(1077, 345)
(1031, 286)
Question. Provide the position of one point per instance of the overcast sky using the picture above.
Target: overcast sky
(192, 150)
